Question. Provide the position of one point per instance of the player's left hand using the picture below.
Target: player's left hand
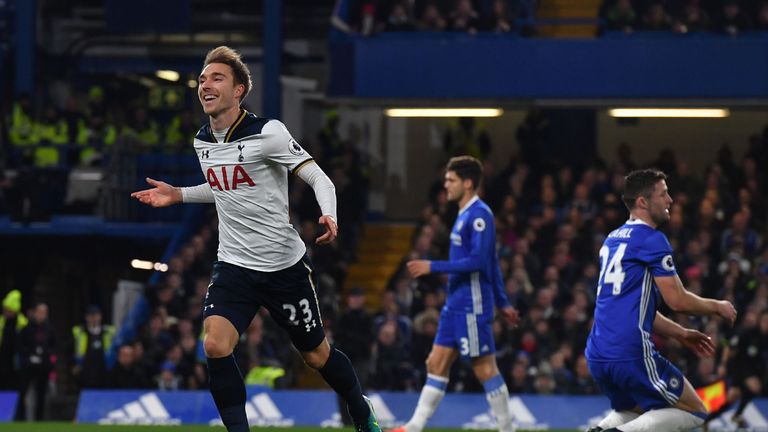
(697, 342)
(331, 230)
(418, 268)
(510, 315)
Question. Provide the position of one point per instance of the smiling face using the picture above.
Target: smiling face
(217, 90)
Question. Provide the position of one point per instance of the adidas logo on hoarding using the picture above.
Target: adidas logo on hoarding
(521, 417)
(383, 415)
(261, 411)
(148, 410)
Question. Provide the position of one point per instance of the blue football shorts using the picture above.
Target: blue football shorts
(470, 334)
(650, 383)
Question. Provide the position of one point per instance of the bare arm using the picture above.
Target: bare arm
(666, 327)
(681, 300)
(161, 195)
(694, 340)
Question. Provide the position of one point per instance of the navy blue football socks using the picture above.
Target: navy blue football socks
(340, 375)
(228, 391)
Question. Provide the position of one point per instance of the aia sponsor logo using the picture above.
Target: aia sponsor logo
(220, 177)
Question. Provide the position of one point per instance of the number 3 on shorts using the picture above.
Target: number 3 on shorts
(305, 310)
(464, 346)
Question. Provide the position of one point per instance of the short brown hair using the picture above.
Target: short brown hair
(231, 58)
(640, 183)
(466, 167)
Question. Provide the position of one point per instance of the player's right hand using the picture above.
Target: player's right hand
(726, 310)
(510, 315)
(417, 268)
(698, 342)
(162, 195)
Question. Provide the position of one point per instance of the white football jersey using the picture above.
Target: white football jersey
(248, 174)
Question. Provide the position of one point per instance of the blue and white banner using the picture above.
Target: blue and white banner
(8, 405)
(319, 408)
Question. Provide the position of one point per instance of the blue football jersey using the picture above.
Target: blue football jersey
(627, 296)
(475, 283)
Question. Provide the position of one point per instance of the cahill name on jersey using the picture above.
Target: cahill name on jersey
(248, 174)
(627, 296)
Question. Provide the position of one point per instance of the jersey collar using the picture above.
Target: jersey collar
(636, 222)
(234, 126)
(468, 204)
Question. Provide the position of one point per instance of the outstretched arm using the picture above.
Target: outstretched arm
(694, 340)
(164, 195)
(325, 193)
(161, 195)
(682, 300)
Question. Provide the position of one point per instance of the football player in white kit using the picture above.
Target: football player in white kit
(261, 258)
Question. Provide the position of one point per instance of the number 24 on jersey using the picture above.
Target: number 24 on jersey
(610, 270)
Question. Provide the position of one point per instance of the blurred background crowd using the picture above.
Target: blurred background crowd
(82, 149)
(731, 17)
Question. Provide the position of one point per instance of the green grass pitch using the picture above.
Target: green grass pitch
(71, 427)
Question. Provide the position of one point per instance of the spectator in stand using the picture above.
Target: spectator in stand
(53, 132)
(12, 321)
(399, 19)
(762, 17)
(497, 21)
(95, 135)
(693, 19)
(621, 17)
(21, 131)
(37, 356)
(466, 136)
(733, 20)
(141, 129)
(464, 19)
(656, 19)
(518, 379)
(177, 133)
(583, 382)
(125, 374)
(431, 19)
(740, 234)
(92, 342)
(355, 332)
(391, 361)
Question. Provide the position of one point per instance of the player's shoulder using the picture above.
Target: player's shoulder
(655, 239)
(480, 209)
(205, 134)
(480, 215)
(249, 124)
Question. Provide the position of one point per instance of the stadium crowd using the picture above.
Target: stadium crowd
(550, 217)
(45, 143)
(550, 222)
(730, 17)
